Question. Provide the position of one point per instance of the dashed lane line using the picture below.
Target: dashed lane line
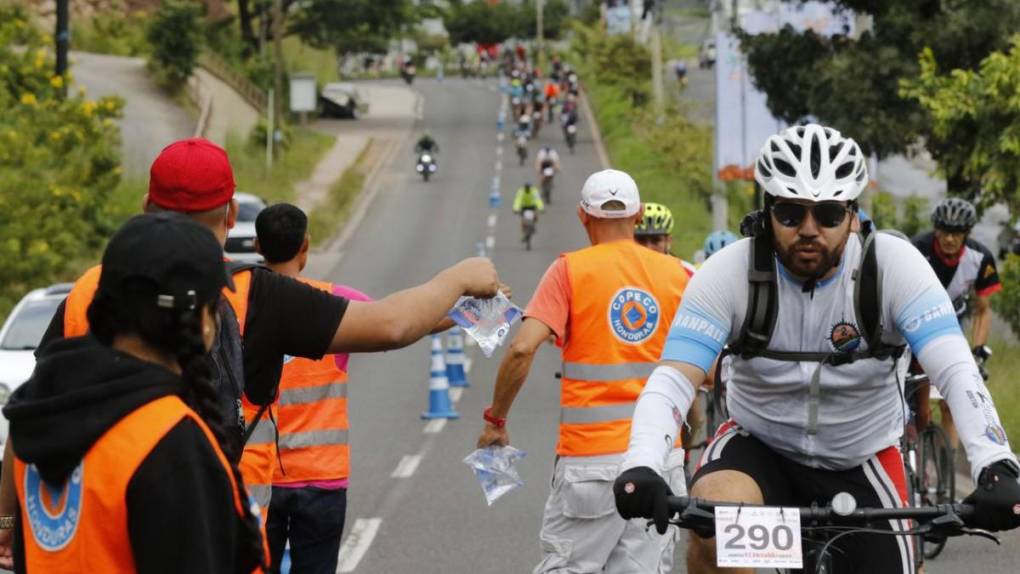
(356, 545)
(456, 393)
(435, 426)
(407, 466)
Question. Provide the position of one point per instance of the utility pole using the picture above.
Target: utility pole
(539, 33)
(278, 59)
(62, 37)
(658, 89)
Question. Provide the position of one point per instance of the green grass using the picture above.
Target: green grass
(289, 167)
(325, 220)
(301, 57)
(628, 143)
(1003, 368)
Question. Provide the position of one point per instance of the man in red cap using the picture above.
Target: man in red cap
(269, 315)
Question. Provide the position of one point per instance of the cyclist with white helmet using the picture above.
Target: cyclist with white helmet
(814, 400)
(963, 266)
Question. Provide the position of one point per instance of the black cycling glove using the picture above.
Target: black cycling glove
(642, 493)
(997, 497)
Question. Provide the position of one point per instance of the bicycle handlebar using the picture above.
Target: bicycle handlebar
(696, 508)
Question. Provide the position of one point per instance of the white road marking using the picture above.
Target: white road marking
(490, 242)
(499, 136)
(357, 543)
(456, 393)
(492, 220)
(434, 426)
(499, 165)
(407, 466)
(499, 151)
(467, 363)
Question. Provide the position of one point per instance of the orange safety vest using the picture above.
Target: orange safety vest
(313, 418)
(259, 458)
(622, 300)
(83, 526)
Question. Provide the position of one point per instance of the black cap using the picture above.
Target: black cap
(181, 256)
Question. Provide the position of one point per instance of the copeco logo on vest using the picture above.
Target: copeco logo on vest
(633, 315)
(53, 512)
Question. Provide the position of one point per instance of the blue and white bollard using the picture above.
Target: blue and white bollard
(455, 373)
(440, 406)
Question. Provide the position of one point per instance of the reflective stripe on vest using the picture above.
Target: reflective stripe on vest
(623, 298)
(84, 527)
(313, 418)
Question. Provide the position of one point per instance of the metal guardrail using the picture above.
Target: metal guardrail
(245, 87)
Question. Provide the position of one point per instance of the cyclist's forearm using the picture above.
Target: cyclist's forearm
(952, 370)
(660, 410)
(982, 322)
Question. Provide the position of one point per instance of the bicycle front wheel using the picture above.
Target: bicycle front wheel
(937, 476)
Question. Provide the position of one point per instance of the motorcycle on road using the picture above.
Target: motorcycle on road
(426, 166)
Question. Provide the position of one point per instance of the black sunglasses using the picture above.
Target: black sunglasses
(827, 213)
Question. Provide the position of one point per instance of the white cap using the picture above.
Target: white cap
(610, 185)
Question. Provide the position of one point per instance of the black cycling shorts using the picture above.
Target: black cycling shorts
(879, 483)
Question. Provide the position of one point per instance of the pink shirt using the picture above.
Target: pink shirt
(341, 362)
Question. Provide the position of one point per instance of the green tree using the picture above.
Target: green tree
(854, 84)
(176, 37)
(1007, 302)
(976, 121)
(481, 22)
(59, 162)
(352, 25)
(554, 19)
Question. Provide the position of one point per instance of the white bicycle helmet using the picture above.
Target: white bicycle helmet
(811, 162)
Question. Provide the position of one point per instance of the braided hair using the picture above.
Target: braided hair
(132, 310)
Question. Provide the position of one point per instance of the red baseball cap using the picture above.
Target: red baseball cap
(191, 175)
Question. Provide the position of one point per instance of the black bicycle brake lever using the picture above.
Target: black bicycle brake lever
(981, 533)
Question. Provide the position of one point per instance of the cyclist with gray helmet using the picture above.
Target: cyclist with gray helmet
(963, 266)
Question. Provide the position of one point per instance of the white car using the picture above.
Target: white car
(20, 336)
(241, 239)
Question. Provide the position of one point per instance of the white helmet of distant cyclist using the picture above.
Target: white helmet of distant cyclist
(811, 162)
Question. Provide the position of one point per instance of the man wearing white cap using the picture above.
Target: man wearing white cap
(609, 307)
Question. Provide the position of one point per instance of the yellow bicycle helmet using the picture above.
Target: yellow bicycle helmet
(657, 220)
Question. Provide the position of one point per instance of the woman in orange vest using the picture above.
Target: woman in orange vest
(117, 437)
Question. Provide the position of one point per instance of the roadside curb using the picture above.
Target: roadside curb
(596, 133)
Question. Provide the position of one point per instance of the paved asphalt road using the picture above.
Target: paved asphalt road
(429, 516)
(436, 520)
(151, 119)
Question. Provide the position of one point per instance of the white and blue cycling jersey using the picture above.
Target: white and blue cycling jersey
(860, 408)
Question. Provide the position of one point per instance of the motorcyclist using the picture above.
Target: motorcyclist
(426, 144)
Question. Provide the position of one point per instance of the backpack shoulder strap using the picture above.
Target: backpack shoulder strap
(867, 290)
(762, 300)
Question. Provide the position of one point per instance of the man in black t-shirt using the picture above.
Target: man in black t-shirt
(282, 315)
(962, 265)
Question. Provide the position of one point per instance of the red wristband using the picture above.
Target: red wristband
(494, 421)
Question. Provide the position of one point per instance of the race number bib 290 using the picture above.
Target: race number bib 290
(757, 537)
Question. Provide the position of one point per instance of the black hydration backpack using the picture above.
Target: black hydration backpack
(763, 308)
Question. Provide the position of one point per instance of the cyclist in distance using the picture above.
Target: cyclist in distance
(813, 396)
(547, 157)
(717, 240)
(528, 198)
(963, 266)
